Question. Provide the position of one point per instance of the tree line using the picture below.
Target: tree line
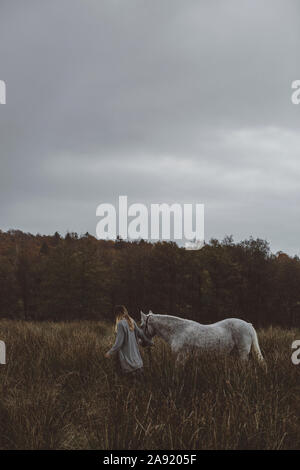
(79, 277)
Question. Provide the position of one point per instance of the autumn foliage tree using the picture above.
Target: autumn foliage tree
(79, 277)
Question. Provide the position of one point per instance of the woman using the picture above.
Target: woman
(126, 343)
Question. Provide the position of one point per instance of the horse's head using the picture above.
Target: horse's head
(147, 324)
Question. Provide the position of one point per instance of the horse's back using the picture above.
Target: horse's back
(234, 323)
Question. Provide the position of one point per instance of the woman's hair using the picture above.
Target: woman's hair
(120, 313)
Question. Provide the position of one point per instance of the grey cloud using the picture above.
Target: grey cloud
(162, 101)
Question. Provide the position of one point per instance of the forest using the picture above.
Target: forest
(72, 277)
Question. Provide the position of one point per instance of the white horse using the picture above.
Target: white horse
(185, 335)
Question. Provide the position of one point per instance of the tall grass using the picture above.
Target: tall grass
(59, 392)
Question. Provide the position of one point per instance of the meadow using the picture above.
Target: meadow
(59, 392)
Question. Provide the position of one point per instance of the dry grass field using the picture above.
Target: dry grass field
(59, 392)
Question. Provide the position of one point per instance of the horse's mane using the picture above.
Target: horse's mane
(171, 317)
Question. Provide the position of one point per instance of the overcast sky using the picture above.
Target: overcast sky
(163, 101)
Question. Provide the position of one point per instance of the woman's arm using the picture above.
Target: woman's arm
(119, 340)
(141, 335)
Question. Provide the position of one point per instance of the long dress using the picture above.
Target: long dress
(126, 345)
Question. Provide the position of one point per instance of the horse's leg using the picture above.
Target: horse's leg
(244, 347)
(180, 359)
(244, 355)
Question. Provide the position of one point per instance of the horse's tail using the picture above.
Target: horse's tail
(255, 346)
